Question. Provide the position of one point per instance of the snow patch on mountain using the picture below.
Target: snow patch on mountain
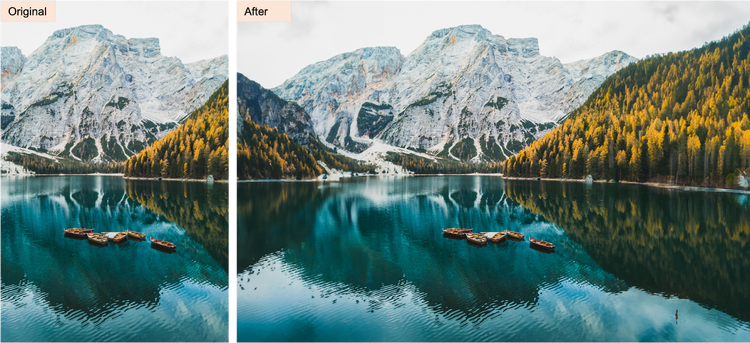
(10, 168)
(91, 95)
(462, 86)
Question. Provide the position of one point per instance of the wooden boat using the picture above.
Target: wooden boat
(97, 238)
(495, 237)
(489, 234)
(476, 238)
(457, 232)
(162, 244)
(514, 235)
(136, 235)
(498, 237)
(541, 244)
(120, 237)
(76, 232)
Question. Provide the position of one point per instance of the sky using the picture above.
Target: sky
(270, 53)
(190, 31)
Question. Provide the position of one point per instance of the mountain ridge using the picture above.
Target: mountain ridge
(91, 95)
(461, 86)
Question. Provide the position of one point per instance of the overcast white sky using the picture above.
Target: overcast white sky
(190, 31)
(273, 52)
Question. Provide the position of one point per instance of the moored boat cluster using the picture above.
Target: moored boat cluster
(496, 237)
(116, 237)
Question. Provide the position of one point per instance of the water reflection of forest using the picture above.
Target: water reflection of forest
(199, 208)
(72, 274)
(367, 239)
(687, 244)
(261, 206)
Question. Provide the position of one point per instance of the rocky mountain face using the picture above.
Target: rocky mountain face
(464, 93)
(91, 95)
(11, 64)
(264, 107)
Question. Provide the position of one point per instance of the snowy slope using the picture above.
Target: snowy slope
(10, 168)
(89, 94)
(463, 86)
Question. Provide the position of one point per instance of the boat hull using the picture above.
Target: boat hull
(457, 233)
(498, 237)
(476, 238)
(157, 243)
(541, 245)
(120, 237)
(97, 238)
(516, 236)
(136, 235)
(75, 233)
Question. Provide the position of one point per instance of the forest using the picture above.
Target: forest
(678, 117)
(265, 153)
(41, 165)
(194, 150)
(421, 165)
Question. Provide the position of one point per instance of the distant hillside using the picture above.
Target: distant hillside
(194, 150)
(680, 117)
(264, 153)
(275, 139)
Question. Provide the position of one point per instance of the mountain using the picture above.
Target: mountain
(263, 107)
(678, 117)
(12, 60)
(463, 94)
(90, 95)
(12, 64)
(276, 140)
(194, 150)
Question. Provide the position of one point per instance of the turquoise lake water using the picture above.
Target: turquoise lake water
(365, 260)
(56, 288)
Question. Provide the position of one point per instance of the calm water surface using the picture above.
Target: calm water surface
(56, 288)
(365, 260)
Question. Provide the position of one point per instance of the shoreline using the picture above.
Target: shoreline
(650, 184)
(170, 179)
(117, 175)
(43, 175)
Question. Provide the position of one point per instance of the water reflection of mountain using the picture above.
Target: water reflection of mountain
(199, 208)
(79, 279)
(687, 244)
(370, 235)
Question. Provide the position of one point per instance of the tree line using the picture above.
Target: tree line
(679, 117)
(194, 150)
(42, 165)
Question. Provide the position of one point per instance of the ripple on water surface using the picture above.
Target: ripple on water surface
(56, 288)
(366, 261)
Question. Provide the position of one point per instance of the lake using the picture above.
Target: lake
(56, 288)
(366, 260)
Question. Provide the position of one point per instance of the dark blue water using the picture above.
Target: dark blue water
(56, 288)
(365, 260)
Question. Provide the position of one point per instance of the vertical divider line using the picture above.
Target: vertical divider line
(232, 179)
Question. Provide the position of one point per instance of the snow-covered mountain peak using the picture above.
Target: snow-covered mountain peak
(80, 31)
(464, 93)
(108, 95)
(461, 31)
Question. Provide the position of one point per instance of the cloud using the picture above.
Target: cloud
(668, 11)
